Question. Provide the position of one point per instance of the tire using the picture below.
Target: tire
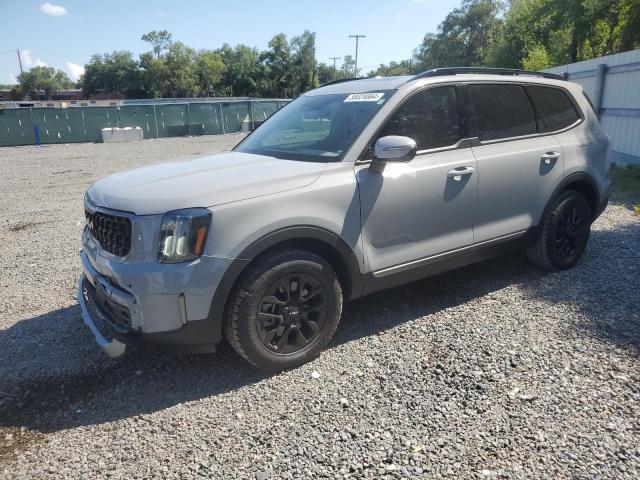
(564, 233)
(285, 311)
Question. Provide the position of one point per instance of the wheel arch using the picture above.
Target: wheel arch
(317, 240)
(581, 182)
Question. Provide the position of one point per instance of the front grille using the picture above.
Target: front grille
(113, 232)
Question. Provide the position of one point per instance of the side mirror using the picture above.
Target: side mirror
(392, 148)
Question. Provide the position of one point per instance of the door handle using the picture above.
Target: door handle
(457, 173)
(550, 157)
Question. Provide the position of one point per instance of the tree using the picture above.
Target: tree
(111, 73)
(242, 72)
(160, 41)
(182, 80)
(209, 69)
(348, 65)
(154, 76)
(404, 67)
(42, 82)
(326, 73)
(537, 59)
(305, 73)
(277, 61)
(573, 31)
(462, 38)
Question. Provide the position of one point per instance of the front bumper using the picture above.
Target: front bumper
(112, 346)
(167, 306)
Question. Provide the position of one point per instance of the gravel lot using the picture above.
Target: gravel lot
(493, 371)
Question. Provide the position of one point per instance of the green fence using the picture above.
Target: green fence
(84, 124)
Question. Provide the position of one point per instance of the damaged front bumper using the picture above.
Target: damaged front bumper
(92, 314)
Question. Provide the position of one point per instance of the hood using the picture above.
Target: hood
(203, 182)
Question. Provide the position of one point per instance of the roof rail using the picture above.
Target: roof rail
(436, 72)
(341, 80)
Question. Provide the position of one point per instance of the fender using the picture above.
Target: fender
(574, 177)
(348, 267)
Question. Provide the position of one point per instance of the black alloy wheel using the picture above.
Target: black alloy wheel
(292, 313)
(572, 231)
(564, 232)
(284, 310)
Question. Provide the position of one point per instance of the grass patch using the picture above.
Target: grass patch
(626, 181)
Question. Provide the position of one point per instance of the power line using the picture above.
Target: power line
(357, 37)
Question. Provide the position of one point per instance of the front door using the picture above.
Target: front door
(420, 209)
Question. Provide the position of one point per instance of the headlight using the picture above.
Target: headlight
(183, 234)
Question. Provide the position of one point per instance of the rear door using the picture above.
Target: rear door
(519, 165)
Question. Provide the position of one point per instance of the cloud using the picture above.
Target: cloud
(53, 10)
(28, 61)
(74, 70)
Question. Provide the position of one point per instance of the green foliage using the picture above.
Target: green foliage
(305, 73)
(570, 31)
(242, 73)
(625, 181)
(537, 59)
(348, 67)
(530, 34)
(209, 69)
(180, 61)
(41, 83)
(277, 63)
(462, 38)
(160, 41)
(403, 67)
(112, 73)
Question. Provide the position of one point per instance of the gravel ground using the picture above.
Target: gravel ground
(497, 370)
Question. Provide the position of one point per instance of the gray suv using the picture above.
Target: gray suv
(352, 188)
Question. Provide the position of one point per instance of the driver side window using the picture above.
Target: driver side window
(430, 117)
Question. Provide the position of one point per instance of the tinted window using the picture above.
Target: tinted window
(430, 117)
(555, 109)
(502, 111)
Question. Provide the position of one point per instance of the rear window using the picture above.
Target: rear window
(555, 109)
(502, 111)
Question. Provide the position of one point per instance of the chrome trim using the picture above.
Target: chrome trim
(501, 238)
(463, 143)
(442, 256)
(532, 135)
(113, 348)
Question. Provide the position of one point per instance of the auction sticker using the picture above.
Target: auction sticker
(364, 97)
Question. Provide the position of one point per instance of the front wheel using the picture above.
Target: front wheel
(285, 311)
(564, 233)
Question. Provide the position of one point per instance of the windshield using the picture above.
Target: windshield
(315, 128)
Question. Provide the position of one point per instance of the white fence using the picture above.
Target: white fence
(613, 84)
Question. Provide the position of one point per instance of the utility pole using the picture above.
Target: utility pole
(334, 65)
(357, 37)
(19, 60)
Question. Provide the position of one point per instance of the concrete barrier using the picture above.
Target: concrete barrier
(123, 134)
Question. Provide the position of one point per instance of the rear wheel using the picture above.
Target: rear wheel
(564, 233)
(285, 311)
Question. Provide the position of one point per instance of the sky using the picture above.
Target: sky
(65, 33)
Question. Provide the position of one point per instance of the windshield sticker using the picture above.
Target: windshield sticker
(364, 97)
